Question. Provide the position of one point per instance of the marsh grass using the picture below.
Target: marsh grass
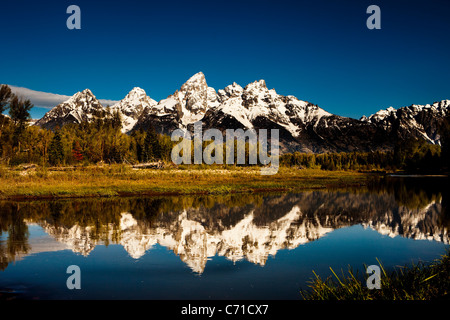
(110, 180)
(419, 281)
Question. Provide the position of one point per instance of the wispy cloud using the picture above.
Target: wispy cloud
(48, 100)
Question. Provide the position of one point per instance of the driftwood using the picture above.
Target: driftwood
(28, 166)
(149, 165)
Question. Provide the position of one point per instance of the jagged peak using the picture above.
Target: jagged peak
(137, 90)
(86, 94)
(443, 104)
(196, 80)
(137, 96)
(198, 76)
(234, 85)
(259, 84)
(87, 91)
(233, 89)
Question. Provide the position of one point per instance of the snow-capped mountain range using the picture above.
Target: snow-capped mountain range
(303, 126)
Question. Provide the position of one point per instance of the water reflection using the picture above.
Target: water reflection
(244, 226)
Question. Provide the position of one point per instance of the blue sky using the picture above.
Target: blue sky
(319, 51)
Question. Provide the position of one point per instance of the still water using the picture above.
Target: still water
(242, 246)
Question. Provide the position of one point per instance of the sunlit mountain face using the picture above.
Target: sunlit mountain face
(237, 227)
(303, 126)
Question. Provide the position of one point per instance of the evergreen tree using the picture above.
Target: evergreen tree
(56, 150)
(152, 147)
(137, 145)
(5, 96)
(116, 120)
(19, 112)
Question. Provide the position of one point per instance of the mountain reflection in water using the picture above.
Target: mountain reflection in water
(240, 226)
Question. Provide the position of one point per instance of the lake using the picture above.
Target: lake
(237, 246)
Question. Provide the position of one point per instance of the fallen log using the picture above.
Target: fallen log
(149, 165)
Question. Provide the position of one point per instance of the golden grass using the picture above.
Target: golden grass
(113, 180)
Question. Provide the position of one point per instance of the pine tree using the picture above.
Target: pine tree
(152, 147)
(56, 151)
(5, 96)
(116, 120)
(19, 112)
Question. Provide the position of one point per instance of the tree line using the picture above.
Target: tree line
(411, 156)
(101, 140)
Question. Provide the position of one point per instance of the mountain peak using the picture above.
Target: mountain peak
(137, 90)
(135, 97)
(260, 84)
(137, 94)
(196, 82)
(85, 95)
(78, 108)
(199, 76)
(233, 90)
(85, 92)
(132, 107)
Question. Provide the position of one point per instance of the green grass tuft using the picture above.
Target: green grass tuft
(420, 281)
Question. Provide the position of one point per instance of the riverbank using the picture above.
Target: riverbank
(122, 180)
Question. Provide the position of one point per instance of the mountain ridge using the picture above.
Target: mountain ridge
(303, 126)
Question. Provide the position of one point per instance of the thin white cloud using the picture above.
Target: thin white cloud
(106, 102)
(48, 100)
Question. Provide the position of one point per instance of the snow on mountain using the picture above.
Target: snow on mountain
(419, 121)
(82, 106)
(438, 108)
(232, 107)
(189, 103)
(256, 100)
(381, 115)
(132, 106)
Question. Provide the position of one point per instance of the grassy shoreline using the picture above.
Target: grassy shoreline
(122, 180)
(422, 281)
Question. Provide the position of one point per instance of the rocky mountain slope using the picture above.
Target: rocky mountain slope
(82, 106)
(132, 107)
